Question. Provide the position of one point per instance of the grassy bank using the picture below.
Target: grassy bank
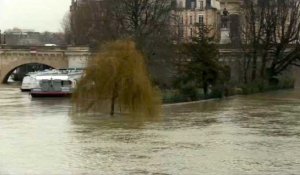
(196, 94)
(258, 87)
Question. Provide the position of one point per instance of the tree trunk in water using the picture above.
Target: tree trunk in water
(112, 105)
(113, 100)
(245, 75)
(205, 88)
(204, 84)
(263, 65)
(263, 69)
(245, 79)
(254, 67)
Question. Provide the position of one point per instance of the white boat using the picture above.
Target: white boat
(29, 81)
(58, 85)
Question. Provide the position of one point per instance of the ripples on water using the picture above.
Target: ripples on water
(258, 134)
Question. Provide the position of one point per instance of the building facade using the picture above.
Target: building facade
(210, 13)
(188, 13)
(25, 37)
(21, 37)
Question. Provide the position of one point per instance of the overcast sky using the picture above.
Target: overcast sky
(40, 15)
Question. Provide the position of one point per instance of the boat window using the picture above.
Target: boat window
(66, 83)
(45, 85)
(56, 85)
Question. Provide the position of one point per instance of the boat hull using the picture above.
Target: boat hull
(50, 94)
(25, 90)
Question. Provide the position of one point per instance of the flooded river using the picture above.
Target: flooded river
(257, 134)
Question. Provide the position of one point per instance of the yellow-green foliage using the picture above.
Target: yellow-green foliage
(118, 75)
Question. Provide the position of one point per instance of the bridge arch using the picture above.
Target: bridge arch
(6, 77)
(11, 63)
(12, 57)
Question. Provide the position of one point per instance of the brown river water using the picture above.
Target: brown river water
(242, 135)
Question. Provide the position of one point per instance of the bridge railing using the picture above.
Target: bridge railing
(26, 47)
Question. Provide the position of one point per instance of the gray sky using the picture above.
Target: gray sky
(39, 15)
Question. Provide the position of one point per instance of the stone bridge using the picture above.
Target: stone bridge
(55, 57)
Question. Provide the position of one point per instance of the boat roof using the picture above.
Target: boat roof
(52, 77)
(45, 72)
(48, 72)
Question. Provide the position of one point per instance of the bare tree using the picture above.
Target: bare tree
(147, 22)
(271, 36)
(90, 23)
(66, 26)
(253, 32)
(113, 19)
(286, 50)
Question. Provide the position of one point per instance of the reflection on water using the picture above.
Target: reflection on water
(257, 134)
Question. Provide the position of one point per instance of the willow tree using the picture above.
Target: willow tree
(117, 76)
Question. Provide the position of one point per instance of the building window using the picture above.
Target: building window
(181, 32)
(193, 5)
(208, 3)
(201, 5)
(180, 5)
(191, 32)
(201, 19)
(191, 19)
(190, 4)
